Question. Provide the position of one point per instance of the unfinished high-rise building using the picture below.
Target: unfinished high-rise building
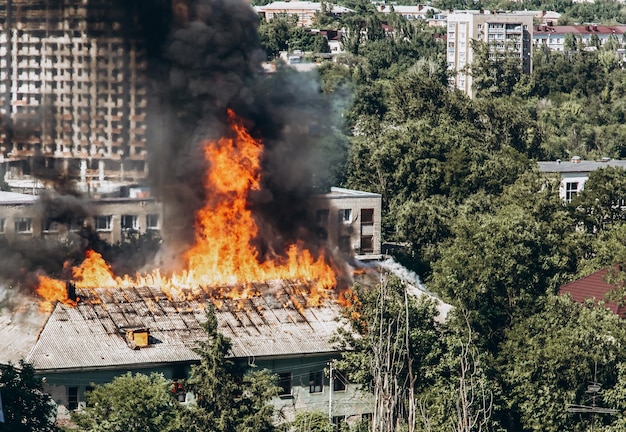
(72, 91)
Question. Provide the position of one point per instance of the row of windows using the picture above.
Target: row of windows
(345, 215)
(102, 223)
(316, 382)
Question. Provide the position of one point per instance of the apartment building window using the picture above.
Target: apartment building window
(321, 216)
(103, 223)
(152, 222)
(316, 382)
(571, 189)
(284, 383)
(129, 222)
(51, 226)
(345, 215)
(24, 225)
(72, 398)
(88, 390)
(340, 423)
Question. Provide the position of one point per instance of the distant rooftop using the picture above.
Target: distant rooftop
(578, 165)
(301, 5)
(337, 192)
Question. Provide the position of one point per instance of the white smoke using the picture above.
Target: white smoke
(414, 285)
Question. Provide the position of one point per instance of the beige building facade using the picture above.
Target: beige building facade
(509, 34)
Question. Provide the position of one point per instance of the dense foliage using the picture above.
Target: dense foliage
(25, 406)
(486, 230)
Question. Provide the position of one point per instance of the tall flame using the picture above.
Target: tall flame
(223, 254)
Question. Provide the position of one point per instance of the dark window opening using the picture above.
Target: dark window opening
(284, 383)
(321, 216)
(367, 216)
(72, 398)
(339, 381)
(316, 382)
(367, 244)
(344, 243)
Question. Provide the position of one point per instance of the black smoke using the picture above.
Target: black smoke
(210, 60)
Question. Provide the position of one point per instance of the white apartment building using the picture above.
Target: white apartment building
(575, 172)
(506, 33)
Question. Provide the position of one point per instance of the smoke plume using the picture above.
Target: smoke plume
(211, 60)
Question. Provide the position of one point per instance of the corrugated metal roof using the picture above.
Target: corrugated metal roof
(92, 334)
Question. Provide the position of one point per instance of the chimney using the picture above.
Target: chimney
(70, 288)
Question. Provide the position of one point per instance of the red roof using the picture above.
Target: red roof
(593, 287)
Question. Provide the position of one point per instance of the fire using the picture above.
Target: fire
(222, 255)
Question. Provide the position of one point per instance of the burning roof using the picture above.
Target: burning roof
(94, 333)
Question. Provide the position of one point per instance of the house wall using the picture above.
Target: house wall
(347, 232)
(15, 217)
(350, 404)
(60, 384)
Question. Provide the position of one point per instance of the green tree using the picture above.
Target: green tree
(228, 398)
(505, 254)
(311, 421)
(494, 76)
(391, 350)
(26, 407)
(550, 357)
(275, 34)
(137, 402)
(601, 203)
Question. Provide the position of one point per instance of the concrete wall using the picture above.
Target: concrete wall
(353, 221)
(350, 404)
(22, 221)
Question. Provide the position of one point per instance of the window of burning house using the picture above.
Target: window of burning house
(345, 215)
(316, 382)
(367, 216)
(50, 225)
(344, 243)
(103, 223)
(321, 216)
(152, 222)
(367, 244)
(129, 222)
(284, 384)
(72, 398)
(339, 381)
(24, 225)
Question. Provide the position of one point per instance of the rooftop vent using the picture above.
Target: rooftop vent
(576, 159)
(138, 337)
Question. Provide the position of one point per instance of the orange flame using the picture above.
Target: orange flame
(225, 228)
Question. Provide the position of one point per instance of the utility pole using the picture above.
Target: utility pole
(330, 391)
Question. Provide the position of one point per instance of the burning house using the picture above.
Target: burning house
(231, 168)
(144, 329)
